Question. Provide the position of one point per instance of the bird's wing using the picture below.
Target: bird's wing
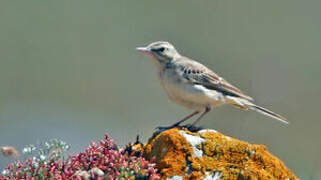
(197, 73)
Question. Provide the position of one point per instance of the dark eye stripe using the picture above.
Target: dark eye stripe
(159, 49)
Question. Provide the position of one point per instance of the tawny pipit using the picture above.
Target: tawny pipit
(192, 85)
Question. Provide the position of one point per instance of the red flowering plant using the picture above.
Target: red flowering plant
(101, 160)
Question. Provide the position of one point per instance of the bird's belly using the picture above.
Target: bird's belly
(192, 96)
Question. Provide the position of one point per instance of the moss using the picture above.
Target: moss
(234, 158)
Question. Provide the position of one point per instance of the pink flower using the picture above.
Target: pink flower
(100, 160)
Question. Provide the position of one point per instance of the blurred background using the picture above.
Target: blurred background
(69, 70)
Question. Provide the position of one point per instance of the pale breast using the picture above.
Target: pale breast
(186, 94)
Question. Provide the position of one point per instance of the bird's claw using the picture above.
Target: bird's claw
(164, 128)
(192, 127)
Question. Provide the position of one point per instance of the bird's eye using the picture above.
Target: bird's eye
(161, 49)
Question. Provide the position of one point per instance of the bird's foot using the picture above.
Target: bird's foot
(192, 127)
(164, 128)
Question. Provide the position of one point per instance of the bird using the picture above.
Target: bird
(194, 86)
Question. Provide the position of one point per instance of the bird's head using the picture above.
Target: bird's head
(161, 51)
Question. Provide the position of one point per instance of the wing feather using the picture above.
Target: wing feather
(197, 73)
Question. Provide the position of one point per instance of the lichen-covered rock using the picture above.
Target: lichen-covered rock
(207, 154)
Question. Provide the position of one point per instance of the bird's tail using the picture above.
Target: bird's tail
(245, 104)
(267, 112)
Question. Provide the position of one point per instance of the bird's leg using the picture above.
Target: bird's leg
(208, 109)
(179, 122)
(185, 118)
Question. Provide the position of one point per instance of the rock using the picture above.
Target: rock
(9, 151)
(82, 174)
(96, 172)
(207, 154)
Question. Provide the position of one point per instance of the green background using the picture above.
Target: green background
(69, 70)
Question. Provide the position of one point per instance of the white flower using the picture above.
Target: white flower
(66, 147)
(47, 145)
(26, 150)
(4, 172)
(42, 157)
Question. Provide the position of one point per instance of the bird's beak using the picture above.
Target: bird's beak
(144, 50)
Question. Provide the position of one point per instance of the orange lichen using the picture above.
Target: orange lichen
(234, 158)
(193, 176)
(170, 150)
